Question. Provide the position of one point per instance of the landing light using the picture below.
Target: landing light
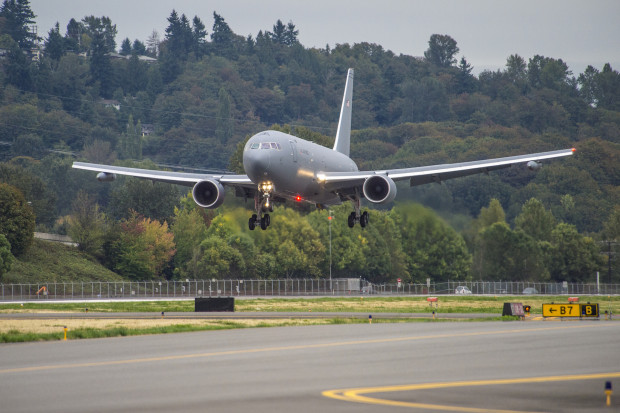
(266, 186)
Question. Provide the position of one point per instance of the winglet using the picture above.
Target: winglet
(343, 135)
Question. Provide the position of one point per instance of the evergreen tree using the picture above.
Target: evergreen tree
(16, 65)
(55, 44)
(278, 35)
(126, 47)
(73, 36)
(290, 36)
(131, 141)
(181, 39)
(138, 48)
(466, 82)
(608, 90)
(199, 37)
(17, 21)
(102, 29)
(222, 37)
(225, 124)
(100, 66)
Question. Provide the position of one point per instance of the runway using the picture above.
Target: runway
(422, 367)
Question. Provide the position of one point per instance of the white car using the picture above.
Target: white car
(462, 290)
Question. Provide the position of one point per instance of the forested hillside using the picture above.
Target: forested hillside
(191, 96)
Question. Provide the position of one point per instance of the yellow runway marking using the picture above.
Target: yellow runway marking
(356, 395)
(284, 348)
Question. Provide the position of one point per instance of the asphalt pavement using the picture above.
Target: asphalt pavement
(497, 366)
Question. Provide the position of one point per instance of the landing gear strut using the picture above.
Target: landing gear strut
(262, 205)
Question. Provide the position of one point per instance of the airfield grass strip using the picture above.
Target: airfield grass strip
(401, 304)
(17, 336)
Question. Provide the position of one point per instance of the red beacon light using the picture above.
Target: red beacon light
(298, 198)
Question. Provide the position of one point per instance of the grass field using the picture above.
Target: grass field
(417, 304)
(37, 330)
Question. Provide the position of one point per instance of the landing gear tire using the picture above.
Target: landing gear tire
(364, 219)
(252, 222)
(351, 220)
(264, 222)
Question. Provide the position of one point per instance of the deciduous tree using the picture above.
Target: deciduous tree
(87, 224)
(6, 258)
(441, 50)
(16, 219)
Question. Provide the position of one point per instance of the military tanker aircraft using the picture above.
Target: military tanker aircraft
(279, 166)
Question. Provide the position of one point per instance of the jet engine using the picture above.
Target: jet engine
(379, 189)
(533, 165)
(208, 193)
(106, 177)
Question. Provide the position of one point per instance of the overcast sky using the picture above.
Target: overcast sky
(486, 31)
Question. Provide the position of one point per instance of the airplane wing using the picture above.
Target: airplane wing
(438, 173)
(179, 178)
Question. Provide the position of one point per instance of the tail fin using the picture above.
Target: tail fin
(343, 135)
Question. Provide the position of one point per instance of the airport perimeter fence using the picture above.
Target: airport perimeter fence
(291, 287)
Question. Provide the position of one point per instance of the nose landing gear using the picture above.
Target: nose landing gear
(263, 205)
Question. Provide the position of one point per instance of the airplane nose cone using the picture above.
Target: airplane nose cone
(256, 163)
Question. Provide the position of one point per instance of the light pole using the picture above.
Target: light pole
(329, 219)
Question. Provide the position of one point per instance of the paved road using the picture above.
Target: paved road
(549, 366)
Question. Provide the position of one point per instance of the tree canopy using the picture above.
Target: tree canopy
(203, 93)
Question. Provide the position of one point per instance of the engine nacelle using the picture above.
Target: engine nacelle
(208, 193)
(106, 177)
(533, 165)
(379, 189)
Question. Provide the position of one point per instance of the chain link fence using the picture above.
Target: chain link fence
(291, 287)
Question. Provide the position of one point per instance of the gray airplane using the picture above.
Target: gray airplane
(279, 166)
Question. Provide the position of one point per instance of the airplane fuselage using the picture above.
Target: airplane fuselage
(292, 164)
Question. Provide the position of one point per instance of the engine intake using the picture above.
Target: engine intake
(106, 177)
(379, 189)
(208, 193)
(533, 165)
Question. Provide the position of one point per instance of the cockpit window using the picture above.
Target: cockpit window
(266, 145)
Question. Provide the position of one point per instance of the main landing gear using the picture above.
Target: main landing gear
(362, 219)
(263, 205)
(356, 216)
